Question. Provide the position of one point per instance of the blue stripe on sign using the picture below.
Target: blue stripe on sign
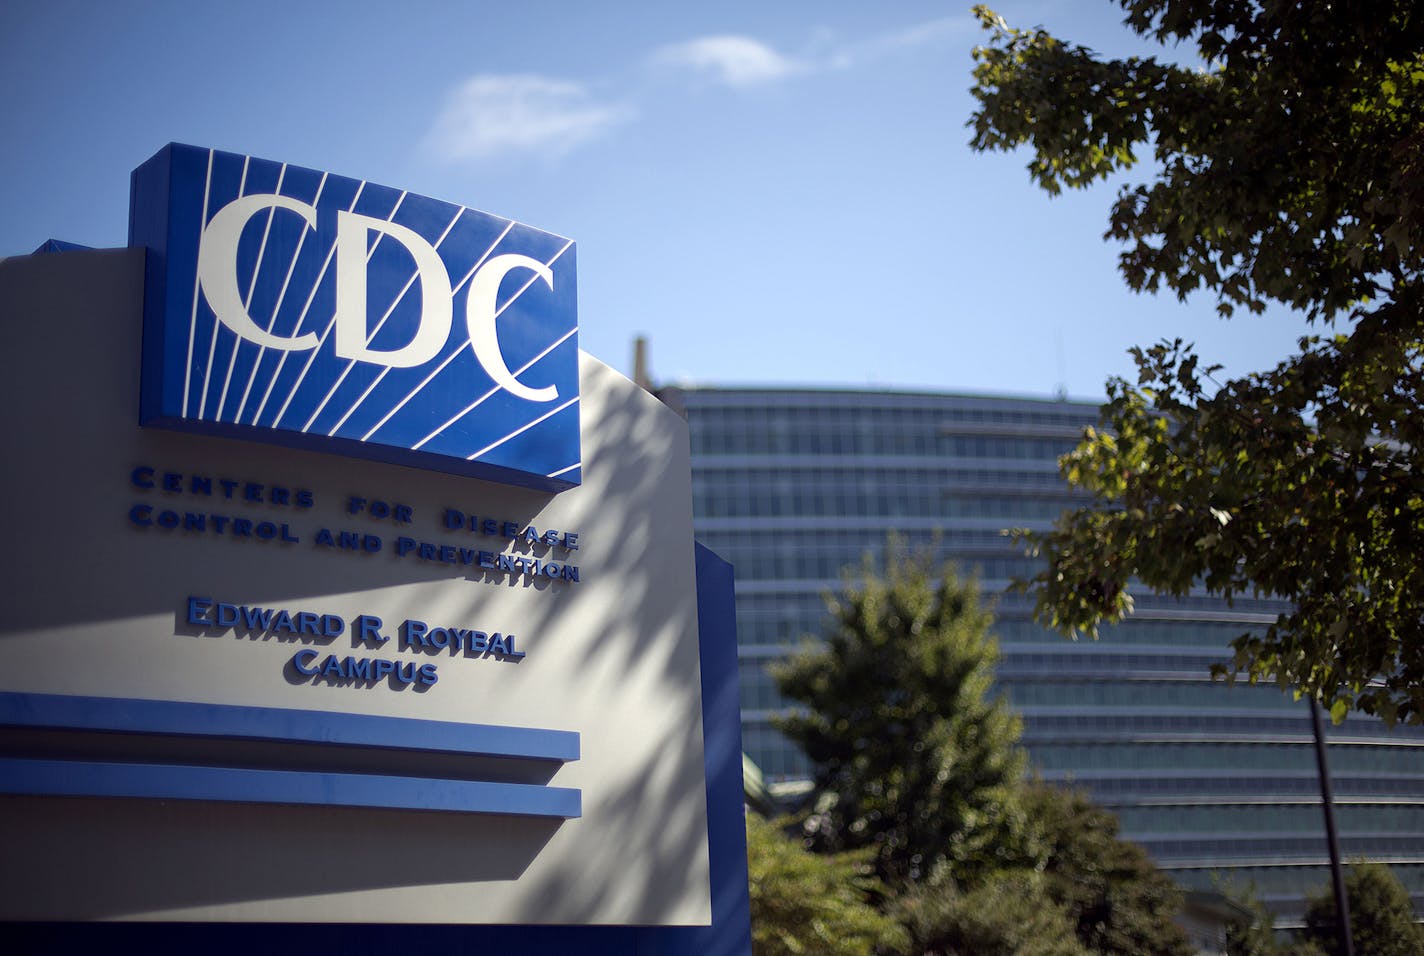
(177, 782)
(184, 719)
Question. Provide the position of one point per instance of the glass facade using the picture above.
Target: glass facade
(798, 488)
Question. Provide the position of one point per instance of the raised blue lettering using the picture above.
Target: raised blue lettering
(257, 618)
(301, 661)
(413, 631)
(368, 630)
(198, 610)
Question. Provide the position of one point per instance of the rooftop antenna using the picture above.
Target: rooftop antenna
(640, 364)
(1061, 390)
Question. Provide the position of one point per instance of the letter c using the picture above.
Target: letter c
(303, 667)
(217, 267)
(480, 315)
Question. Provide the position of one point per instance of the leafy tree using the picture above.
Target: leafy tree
(1009, 914)
(804, 903)
(1287, 167)
(1381, 919)
(1254, 935)
(1119, 902)
(914, 759)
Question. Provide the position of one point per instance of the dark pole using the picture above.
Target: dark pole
(1327, 801)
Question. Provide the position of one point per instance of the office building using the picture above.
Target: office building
(1217, 782)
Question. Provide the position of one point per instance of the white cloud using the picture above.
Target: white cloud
(499, 114)
(888, 44)
(489, 114)
(731, 60)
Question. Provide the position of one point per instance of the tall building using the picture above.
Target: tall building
(1217, 782)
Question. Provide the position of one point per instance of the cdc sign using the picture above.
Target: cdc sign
(301, 308)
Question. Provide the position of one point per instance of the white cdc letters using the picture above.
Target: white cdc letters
(217, 275)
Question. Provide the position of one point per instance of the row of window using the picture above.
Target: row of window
(1228, 848)
(1149, 695)
(759, 692)
(1117, 790)
(872, 473)
(778, 562)
(1259, 818)
(1041, 727)
(1094, 661)
(784, 619)
(856, 542)
(1168, 755)
(833, 438)
(884, 501)
(758, 408)
(780, 760)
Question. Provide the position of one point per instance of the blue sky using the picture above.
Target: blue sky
(772, 193)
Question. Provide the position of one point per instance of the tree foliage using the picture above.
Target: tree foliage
(918, 766)
(805, 904)
(1119, 903)
(1381, 919)
(1253, 935)
(914, 757)
(1288, 167)
(1009, 914)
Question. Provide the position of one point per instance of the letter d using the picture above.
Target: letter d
(352, 338)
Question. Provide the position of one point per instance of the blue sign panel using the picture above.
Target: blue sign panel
(293, 306)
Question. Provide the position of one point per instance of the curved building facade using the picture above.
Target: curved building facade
(1217, 782)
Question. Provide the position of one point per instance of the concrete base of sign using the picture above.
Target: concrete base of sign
(127, 545)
